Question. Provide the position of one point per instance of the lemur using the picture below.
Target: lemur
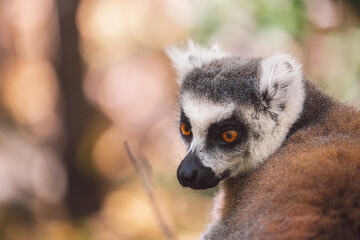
(287, 156)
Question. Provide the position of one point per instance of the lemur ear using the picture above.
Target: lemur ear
(281, 84)
(186, 58)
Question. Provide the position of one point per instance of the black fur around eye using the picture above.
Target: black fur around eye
(226, 134)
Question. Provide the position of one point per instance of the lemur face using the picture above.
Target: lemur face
(215, 135)
(234, 113)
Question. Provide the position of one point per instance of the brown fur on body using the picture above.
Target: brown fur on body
(308, 189)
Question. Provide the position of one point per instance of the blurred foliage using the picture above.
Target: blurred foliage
(289, 15)
(78, 78)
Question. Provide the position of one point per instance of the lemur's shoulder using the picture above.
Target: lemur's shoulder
(323, 114)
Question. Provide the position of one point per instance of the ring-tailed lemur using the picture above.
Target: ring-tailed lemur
(288, 154)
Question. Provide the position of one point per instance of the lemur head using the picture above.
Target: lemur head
(234, 112)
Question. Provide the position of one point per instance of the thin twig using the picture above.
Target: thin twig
(143, 168)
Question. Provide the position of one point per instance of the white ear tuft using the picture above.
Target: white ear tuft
(281, 85)
(186, 58)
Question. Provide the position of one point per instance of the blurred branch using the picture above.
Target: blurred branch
(78, 115)
(143, 168)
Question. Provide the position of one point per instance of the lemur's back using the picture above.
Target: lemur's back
(310, 188)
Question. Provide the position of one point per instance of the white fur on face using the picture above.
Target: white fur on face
(192, 56)
(203, 112)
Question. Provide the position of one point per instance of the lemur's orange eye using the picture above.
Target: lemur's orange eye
(229, 136)
(185, 129)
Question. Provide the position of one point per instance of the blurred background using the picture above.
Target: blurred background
(79, 77)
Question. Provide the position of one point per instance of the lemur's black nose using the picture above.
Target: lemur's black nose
(192, 173)
(186, 176)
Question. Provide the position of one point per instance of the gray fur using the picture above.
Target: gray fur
(229, 79)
